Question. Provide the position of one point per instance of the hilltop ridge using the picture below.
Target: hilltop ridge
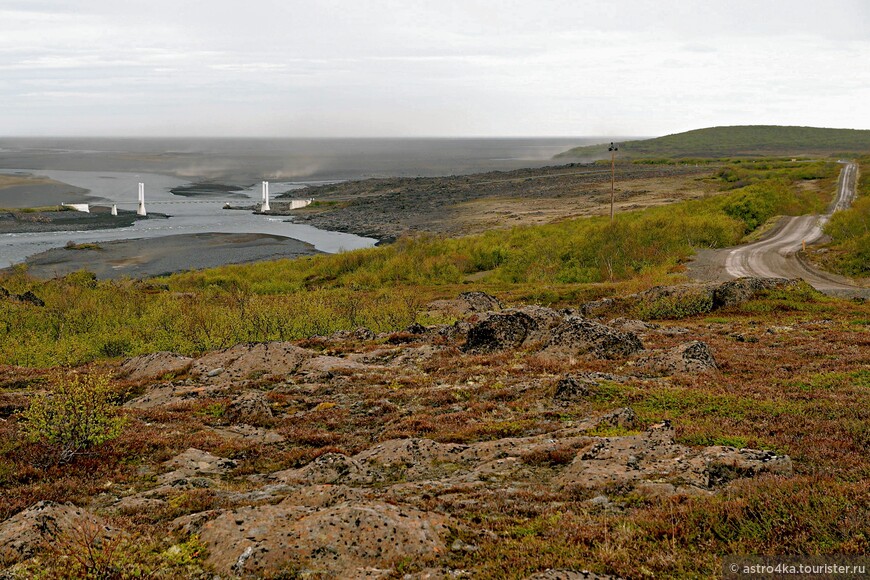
(737, 141)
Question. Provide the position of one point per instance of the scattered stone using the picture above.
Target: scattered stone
(27, 532)
(580, 335)
(416, 328)
(480, 301)
(249, 433)
(171, 394)
(694, 298)
(630, 325)
(155, 366)
(624, 418)
(413, 459)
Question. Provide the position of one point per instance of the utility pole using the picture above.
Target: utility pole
(613, 149)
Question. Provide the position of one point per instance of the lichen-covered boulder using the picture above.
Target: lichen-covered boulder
(580, 336)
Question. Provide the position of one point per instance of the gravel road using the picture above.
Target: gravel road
(779, 254)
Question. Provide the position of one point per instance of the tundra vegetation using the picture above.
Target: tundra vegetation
(793, 377)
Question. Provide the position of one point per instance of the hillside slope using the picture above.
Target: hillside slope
(749, 140)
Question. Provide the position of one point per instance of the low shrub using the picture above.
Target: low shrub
(75, 416)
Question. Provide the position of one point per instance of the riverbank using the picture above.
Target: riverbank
(25, 190)
(467, 204)
(143, 258)
(59, 220)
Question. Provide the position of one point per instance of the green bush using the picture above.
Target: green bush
(850, 233)
(675, 306)
(75, 416)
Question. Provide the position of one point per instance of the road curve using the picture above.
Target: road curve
(778, 255)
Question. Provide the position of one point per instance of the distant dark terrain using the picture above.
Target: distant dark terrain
(739, 141)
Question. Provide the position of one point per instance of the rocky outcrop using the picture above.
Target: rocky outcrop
(28, 532)
(250, 408)
(689, 357)
(653, 464)
(155, 366)
(573, 388)
(580, 336)
(511, 328)
(339, 541)
(329, 468)
(194, 463)
(742, 290)
(687, 299)
(466, 304)
(250, 361)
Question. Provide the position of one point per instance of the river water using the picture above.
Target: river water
(188, 215)
(112, 168)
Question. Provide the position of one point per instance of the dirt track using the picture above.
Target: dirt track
(779, 255)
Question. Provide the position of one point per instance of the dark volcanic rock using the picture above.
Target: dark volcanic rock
(745, 289)
(30, 298)
(511, 328)
(580, 335)
(572, 388)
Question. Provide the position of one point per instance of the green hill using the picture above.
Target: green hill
(739, 141)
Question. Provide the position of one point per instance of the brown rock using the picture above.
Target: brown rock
(466, 304)
(250, 408)
(155, 366)
(29, 531)
(689, 357)
(620, 464)
(338, 541)
(251, 361)
(563, 574)
(329, 468)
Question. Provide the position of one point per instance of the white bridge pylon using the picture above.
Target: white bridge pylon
(264, 206)
(141, 209)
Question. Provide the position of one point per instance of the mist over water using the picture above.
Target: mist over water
(247, 160)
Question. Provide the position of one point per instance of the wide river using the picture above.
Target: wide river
(188, 215)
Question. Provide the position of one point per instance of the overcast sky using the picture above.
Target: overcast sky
(301, 68)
